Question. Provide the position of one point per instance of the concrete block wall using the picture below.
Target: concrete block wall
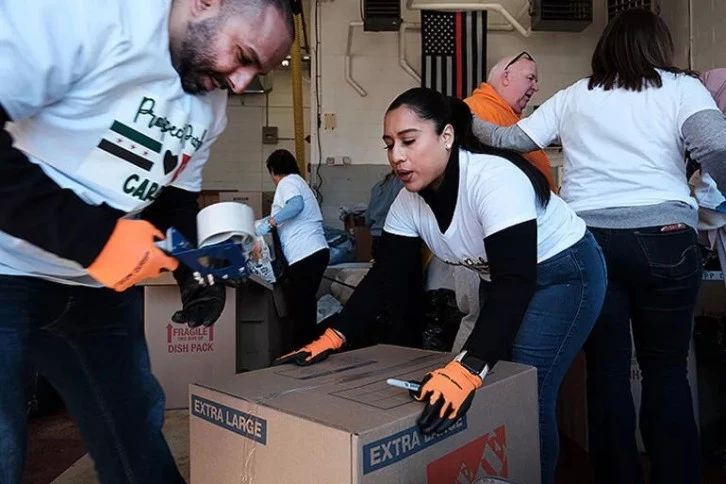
(238, 157)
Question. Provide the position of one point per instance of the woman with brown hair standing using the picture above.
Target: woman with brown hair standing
(299, 223)
(624, 131)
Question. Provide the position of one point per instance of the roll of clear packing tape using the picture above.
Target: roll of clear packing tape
(224, 221)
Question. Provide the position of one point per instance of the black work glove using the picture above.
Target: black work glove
(202, 299)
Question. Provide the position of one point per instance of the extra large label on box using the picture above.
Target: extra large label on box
(401, 445)
(238, 422)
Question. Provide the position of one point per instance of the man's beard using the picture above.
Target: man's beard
(195, 59)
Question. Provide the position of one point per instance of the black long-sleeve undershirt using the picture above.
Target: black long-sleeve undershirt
(175, 208)
(512, 255)
(36, 209)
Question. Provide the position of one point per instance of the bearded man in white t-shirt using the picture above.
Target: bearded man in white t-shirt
(108, 110)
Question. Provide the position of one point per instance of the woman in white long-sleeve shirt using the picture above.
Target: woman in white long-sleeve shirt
(296, 215)
(624, 131)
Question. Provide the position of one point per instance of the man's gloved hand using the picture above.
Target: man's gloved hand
(131, 256)
(448, 393)
(264, 227)
(316, 351)
(202, 300)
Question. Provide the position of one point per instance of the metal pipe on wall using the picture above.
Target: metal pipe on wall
(297, 100)
(402, 49)
(349, 60)
(493, 7)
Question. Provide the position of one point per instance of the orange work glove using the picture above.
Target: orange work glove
(131, 256)
(316, 351)
(448, 393)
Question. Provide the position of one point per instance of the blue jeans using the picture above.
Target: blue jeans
(570, 293)
(90, 344)
(653, 284)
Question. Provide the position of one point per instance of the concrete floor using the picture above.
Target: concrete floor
(176, 431)
(54, 444)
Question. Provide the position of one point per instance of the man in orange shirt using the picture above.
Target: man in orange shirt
(501, 100)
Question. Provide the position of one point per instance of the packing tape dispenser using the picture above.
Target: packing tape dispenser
(226, 235)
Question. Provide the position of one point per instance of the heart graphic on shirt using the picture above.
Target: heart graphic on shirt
(170, 162)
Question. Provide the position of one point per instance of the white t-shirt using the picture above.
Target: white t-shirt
(493, 195)
(98, 105)
(621, 148)
(303, 235)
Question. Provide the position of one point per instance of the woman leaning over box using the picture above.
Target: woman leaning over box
(492, 212)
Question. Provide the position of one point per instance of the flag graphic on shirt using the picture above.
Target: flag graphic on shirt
(184, 161)
(453, 53)
(130, 145)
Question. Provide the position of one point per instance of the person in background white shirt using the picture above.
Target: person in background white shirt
(492, 212)
(296, 215)
(624, 132)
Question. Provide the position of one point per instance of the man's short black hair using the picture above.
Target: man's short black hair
(282, 162)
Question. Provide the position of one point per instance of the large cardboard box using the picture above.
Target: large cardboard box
(267, 199)
(253, 199)
(338, 422)
(261, 202)
(179, 354)
(208, 197)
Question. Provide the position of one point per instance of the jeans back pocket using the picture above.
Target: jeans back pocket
(671, 255)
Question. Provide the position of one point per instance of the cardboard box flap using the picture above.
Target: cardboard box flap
(348, 390)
